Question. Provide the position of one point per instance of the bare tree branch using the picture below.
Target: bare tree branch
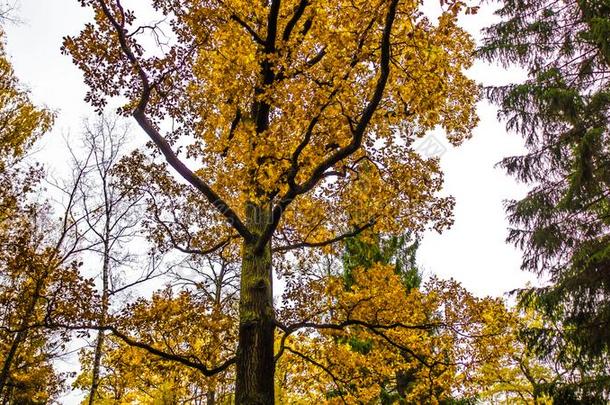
(184, 360)
(327, 242)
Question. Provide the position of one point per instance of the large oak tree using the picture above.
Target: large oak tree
(298, 117)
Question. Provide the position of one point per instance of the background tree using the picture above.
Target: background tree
(111, 217)
(398, 251)
(364, 251)
(42, 286)
(39, 270)
(21, 124)
(299, 116)
(7, 9)
(562, 112)
(380, 341)
(193, 317)
(26, 373)
(185, 323)
(520, 376)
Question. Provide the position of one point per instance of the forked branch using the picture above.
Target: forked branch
(357, 133)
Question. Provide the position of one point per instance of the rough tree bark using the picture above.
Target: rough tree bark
(255, 363)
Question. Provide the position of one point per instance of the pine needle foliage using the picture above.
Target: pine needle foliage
(562, 111)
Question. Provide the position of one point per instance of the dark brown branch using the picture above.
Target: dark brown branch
(419, 358)
(369, 111)
(191, 177)
(261, 108)
(250, 30)
(174, 357)
(300, 9)
(272, 21)
(355, 322)
(307, 26)
(357, 134)
(376, 329)
(321, 366)
(208, 372)
(161, 143)
(187, 249)
(312, 62)
(232, 130)
(336, 239)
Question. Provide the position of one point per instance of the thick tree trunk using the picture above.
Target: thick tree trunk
(255, 363)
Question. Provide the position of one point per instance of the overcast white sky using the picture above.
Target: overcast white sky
(473, 251)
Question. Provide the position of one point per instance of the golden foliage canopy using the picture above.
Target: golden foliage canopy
(308, 107)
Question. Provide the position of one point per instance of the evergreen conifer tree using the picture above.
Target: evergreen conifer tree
(563, 224)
